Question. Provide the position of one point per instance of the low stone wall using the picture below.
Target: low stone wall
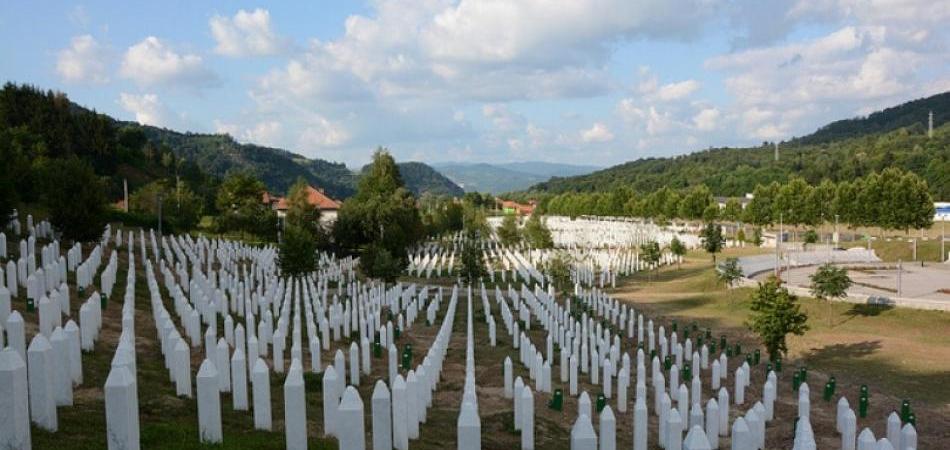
(864, 299)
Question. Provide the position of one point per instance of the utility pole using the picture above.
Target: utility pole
(943, 238)
(158, 200)
(930, 125)
(836, 231)
(778, 252)
(125, 190)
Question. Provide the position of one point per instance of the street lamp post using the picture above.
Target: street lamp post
(836, 230)
(899, 268)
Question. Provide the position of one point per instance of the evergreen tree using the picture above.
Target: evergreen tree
(650, 253)
(729, 272)
(473, 267)
(240, 202)
(775, 314)
(712, 239)
(297, 254)
(75, 198)
(536, 233)
(757, 237)
(558, 270)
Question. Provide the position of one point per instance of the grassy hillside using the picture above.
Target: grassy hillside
(896, 137)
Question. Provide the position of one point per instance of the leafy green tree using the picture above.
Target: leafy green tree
(180, 205)
(711, 213)
(297, 254)
(740, 235)
(712, 238)
(508, 232)
(378, 262)
(830, 282)
(732, 211)
(240, 201)
(536, 233)
(694, 204)
(811, 237)
(729, 271)
(474, 219)
(759, 210)
(677, 248)
(451, 219)
(380, 221)
(75, 198)
(300, 213)
(775, 314)
(820, 203)
(650, 254)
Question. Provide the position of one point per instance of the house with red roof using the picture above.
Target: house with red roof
(315, 196)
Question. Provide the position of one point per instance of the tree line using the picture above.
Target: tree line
(891, 199)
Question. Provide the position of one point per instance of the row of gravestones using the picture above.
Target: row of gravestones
(748, 430)
(607, 233)
(409, 307)
(38, 379)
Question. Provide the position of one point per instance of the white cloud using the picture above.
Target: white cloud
(152, 62)
(245, 34)
(707, 119)
(597, 133)
(677, 91)
(791, 88)
(147, 108)
(320, 132)
(84, 61)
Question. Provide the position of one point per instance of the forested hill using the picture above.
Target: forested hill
(843, 150)
(910, 114)
(278, 169)
(422, 179)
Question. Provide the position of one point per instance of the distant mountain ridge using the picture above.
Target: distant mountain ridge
(279, 169)
(842, 150)
(496, 178)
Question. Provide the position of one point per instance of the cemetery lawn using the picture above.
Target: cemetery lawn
(166, 421)
(902, 353)
(894, 249)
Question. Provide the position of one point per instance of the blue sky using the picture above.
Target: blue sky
(588, 82)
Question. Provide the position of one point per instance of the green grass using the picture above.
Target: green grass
(899, 248)
(902, 351)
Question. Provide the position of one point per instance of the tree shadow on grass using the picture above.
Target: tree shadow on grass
(865, 310)
(833, 352)
(856, 361)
